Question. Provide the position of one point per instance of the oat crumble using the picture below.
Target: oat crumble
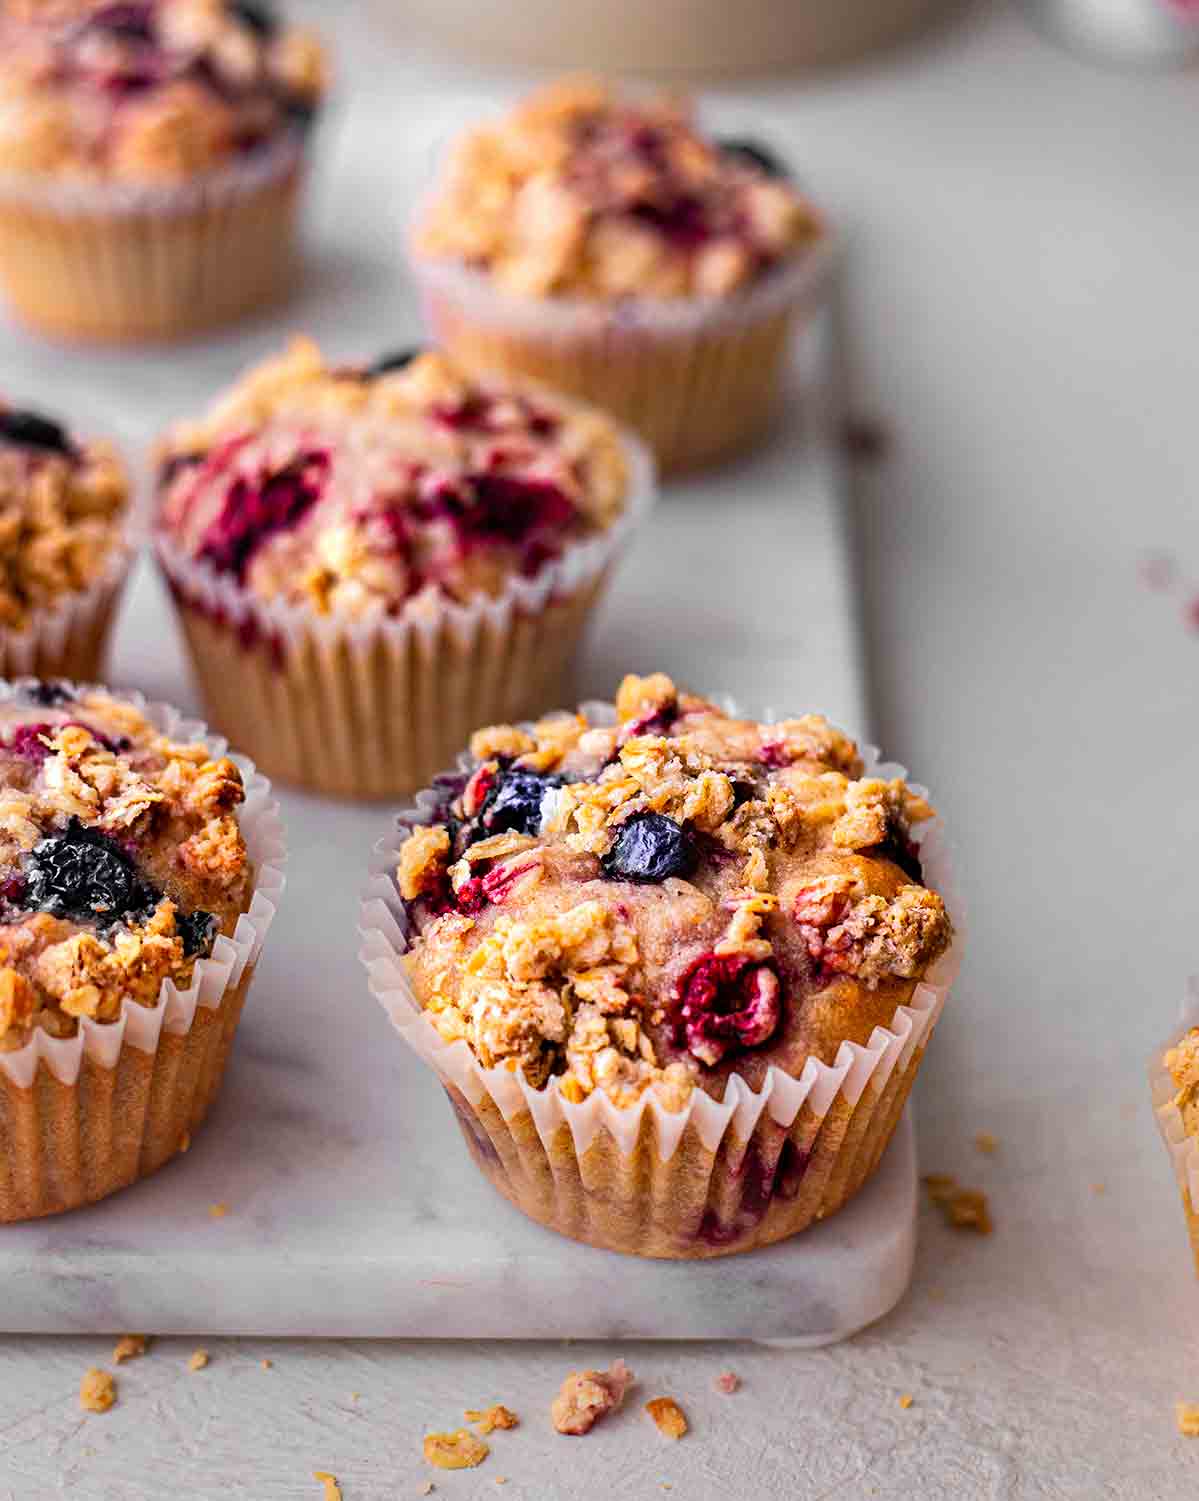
(374, 491)
(63, 502)
(121, 860)
(488, 1419)
(97, 1391)
(653, 904)
(153, 91)
(580, 192)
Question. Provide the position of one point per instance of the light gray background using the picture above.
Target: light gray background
(1022, 310)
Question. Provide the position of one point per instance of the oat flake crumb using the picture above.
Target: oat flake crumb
(987, 1144)
(129, 1347)
(728, 1382)
(1187, 1416)
(218, 1211)
(198, 1361)
(906, 1401)
(963, 1208)
(588, 1396)
(668, 1415)
(460, 1450)
(97, 1391)
(488, 1419)
(332, 1489)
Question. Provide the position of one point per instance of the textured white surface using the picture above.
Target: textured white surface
(1022, 302)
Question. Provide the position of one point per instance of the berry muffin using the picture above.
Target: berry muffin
(676, 969)
(611, 248)
(370, 561)
(1174, 1076)
(151, 160)
(139, 866)
(64, 550)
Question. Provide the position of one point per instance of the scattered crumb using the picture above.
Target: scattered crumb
(1187, 1417)
(987, 1144)
(488, 1419)
(354, 1396)
(218, 1211)
(459, 1450)
(501, 1480)
(668, 1415)
(185, 1141)
(587, 1396)
(332, 1489)
(906, 1401)
(199, 1359)
(865, 439)
(426, 1489)
(963, 1208)
(728, 1382)
(129, 1347)
(267, 1364)
(1098, 1188)
(97, 1391)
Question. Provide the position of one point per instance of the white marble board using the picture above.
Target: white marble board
(353, 1208)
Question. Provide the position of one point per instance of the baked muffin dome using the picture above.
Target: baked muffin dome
(371, 492)
(668, 901)
(148, 91)
(580, 192)
(121, 859)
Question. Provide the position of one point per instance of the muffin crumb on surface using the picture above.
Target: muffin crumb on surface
(97, 1391)
(588, 1396)
(728, 1382)
(668, 1416)
(329, 1482)
(197, 1360)
(459, 1450)
(1186, 1415)
(962, 1208)
(129, 1347)
(488, 1419)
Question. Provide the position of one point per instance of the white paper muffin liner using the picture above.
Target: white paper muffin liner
(717, 1124)
(140, 1026)
(375, 708)
(699, 378)
(1183, 1148)
(123, 262)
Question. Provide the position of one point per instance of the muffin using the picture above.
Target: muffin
(370, 561)
(139, 867)
(1174, 1076)
(151, 160)
(676, 969)
(64, 549)
(611, 248)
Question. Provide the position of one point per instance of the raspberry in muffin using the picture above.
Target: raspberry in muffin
(134, 125)
(604, 242)
(671, 903)
(63, 507)
(385, 504)
(122, 862)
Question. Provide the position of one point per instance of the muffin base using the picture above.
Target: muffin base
(160, 272)
(73, 1144)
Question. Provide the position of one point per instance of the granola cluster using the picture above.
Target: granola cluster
(121, 859)
(149, 91)
(1182, 1064)
(580, 192)
(62, 507)
(658, 902)
(371, 491)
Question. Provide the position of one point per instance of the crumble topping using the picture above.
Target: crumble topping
(97, 1391)
(1182, 1063)
(641, 906)
(103, 895)
(129, 1347)
(488, 1419)
(150, 91)
(374, 491)
(581, 192)
(962, 1208)
(459, 1450)
(668, 1416)
(62, 504)
(588, 1396)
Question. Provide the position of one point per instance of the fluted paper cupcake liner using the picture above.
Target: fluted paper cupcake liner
(717, 1177)
(122, 263)
(83, 1116)
(376, 709)
(698, 378)
(1183, 1149)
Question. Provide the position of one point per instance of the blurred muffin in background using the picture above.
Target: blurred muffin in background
(64, 547)
(151, 158)
(371, 560)
(608, 246)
